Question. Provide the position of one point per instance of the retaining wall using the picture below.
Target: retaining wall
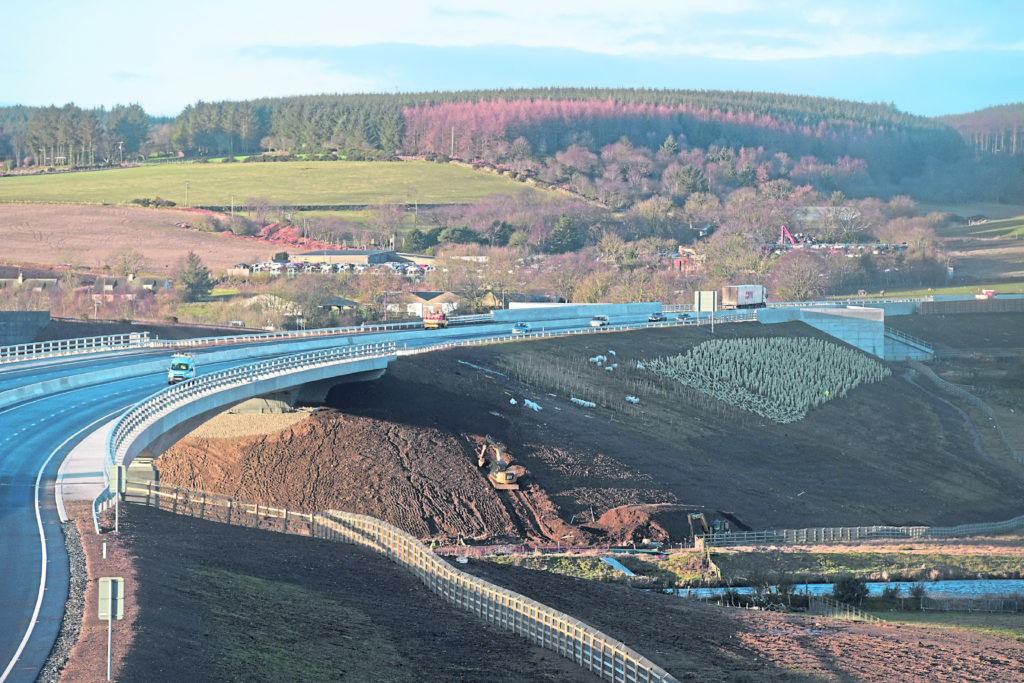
(21, 327)
(859, 326)
(537, 312)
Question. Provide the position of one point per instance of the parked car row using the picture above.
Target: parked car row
(278, 268)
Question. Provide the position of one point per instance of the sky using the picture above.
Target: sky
(927, 57)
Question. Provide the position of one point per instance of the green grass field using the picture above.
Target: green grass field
(1006, 227)
(282, 184)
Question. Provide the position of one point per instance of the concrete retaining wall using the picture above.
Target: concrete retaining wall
(21, 327)
(858, 326)
(539, 312)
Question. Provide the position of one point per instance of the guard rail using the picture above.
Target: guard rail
(69, 347)
(131, 423)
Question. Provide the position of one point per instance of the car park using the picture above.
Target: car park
(656, 318)
(521, 328)
(599, 321)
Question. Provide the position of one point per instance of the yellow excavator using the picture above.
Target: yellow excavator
(498, 472)
(698, 524)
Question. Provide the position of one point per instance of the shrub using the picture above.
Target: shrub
(158, 202)
(850, 589)
(892, 593)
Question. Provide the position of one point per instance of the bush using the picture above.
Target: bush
(892, 593)
(850, 589)
(157, 202)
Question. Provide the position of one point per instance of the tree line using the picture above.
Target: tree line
(72, 136)
(524, 129)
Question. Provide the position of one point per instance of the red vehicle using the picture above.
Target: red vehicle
(434, 321)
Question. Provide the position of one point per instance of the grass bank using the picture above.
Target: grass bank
(280, 184)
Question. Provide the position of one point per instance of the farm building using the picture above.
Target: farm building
(366, 257)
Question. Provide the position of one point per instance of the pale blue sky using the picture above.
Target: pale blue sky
(928, 57)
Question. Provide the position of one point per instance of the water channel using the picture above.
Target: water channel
(968, 588)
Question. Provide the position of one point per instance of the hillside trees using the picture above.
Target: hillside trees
(71, 136)
(992, 131)
(859, 148)
(126, 261)
(129, 126)
(194, 279)
(566, 235)
(799, 275)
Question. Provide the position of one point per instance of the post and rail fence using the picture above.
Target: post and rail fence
(829, 607)
(826, 535)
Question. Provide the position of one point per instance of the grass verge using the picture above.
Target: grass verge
(276, 643)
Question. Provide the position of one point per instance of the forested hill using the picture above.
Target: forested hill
(995, 130)
(858, 148)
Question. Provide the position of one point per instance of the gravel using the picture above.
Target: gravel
(71, 626)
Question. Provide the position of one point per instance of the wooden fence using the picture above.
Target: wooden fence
(591, 649)
(828, 607)
(994, 305)
(826, 535)
(1005, 604)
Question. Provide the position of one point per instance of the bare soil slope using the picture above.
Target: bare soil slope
(403, 448)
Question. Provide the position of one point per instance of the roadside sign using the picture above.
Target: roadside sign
(111, 602)
(706, 301)
(118, 478)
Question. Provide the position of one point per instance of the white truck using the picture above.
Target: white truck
(182, 367)
(744, 296)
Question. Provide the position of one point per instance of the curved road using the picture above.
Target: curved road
(37, 434)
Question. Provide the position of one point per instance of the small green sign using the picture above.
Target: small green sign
(111, 601)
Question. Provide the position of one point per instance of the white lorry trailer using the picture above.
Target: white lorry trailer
(744, 296)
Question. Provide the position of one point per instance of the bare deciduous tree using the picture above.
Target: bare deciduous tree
(126, 261)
